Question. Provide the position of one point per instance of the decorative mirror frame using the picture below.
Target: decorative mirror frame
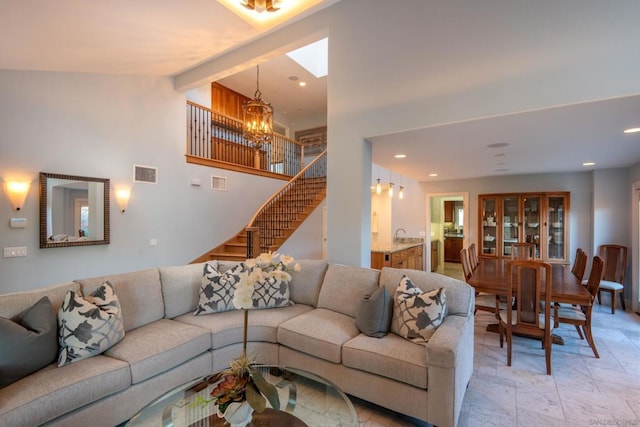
(44, 241)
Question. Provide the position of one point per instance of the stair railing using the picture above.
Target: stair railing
(279, 211)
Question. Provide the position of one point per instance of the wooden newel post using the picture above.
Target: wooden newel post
(253, 242)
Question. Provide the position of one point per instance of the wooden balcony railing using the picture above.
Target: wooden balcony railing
(216, 140)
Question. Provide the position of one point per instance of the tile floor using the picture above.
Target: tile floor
(583, 390)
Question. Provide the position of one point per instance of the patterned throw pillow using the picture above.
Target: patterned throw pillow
(217, 289)
(87, 326)
(270, 293)
(417, 314)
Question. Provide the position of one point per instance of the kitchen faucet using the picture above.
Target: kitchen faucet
(395, 235)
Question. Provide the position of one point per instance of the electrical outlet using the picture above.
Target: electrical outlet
(15, 251)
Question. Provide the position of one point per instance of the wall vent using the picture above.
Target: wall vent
(146, 174)
(218, 183)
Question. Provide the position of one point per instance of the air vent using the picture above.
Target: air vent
(146, 174)
(218, 183)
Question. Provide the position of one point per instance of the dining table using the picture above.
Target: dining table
(492, 276)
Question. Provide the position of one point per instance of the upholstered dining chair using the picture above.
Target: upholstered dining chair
(484, 302)
(615, 264)
(527, 279)
(523, 250)
(473, 256)
(580, 316)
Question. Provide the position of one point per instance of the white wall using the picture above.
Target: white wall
(99, 126)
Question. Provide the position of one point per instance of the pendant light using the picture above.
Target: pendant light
(401, 193)
(378, 185)
(258, 118)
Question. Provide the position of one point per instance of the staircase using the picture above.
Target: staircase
(278, 217)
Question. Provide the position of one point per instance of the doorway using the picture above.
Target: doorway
(448, 226)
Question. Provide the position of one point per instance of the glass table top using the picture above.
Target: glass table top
(305, 400)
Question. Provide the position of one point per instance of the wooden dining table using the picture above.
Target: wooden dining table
(492, 276)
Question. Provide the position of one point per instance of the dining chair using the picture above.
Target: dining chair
(484, 301)
(580, 316)
(523, 250)
(527, 278)
(473, 256)
(579, 264)
(615, 264)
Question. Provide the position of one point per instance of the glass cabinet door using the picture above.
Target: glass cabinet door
(510, 223)
(488, 221)
(531, 221)
(556, 221)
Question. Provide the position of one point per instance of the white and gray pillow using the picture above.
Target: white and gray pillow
(217, 289)
(270, 293)
(88, 326)
(417, 314)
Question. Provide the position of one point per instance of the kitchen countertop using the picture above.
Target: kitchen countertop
(453, 235)
(395, 247)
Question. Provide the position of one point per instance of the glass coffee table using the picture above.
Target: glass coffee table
(305, 400)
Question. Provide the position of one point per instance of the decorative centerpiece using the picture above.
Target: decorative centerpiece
(241, 389)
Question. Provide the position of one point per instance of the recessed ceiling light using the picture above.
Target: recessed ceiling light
(400, 156)
(502, 170)
(589, 164)
(433, 174)
(498, 145)
(632, 130)
(499, 155)
(293, 78)
(302, 84)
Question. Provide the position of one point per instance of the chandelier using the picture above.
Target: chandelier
(261, 5)
(258, 118)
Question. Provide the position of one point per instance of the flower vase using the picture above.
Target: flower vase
(238, 414)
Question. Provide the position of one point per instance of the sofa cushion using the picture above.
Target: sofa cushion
(52, 391)
(417, 314)
(139, 292)
(305, 284)
(391, 356)
(319, 332)
(374, 313)
(180, 286)
(29, 342)
(87, 326)
(16, 302)
(217, 289)
(159, 346)
(344, 286)
(460, 295)
(227, 328)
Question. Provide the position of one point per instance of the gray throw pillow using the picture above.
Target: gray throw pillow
(29, 342)
(374, 313)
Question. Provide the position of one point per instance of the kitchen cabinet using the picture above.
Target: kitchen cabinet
(449, 210)
(434, 254)
(399, 256)
(539, 218)
(452, 247)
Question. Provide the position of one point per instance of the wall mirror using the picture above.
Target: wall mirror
(74, 210)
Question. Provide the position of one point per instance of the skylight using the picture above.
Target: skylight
(313, 57)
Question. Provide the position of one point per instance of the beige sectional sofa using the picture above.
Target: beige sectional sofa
(165, 345)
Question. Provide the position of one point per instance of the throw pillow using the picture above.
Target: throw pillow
(87, 326)
(217, 289)
(374, 313)
(417, 314)
(29, 342)
(271, 292)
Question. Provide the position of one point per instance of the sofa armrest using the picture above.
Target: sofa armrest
(447, 343)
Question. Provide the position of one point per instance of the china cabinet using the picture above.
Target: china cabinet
(539, 218)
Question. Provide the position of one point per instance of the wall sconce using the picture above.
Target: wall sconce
(122, 198)
(17, 192)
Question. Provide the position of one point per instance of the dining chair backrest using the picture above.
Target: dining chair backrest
(473, 256)
(466, 267)
(597, 265)
(527, 281)
(522, 250)
(579, 264)
(615, 262)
